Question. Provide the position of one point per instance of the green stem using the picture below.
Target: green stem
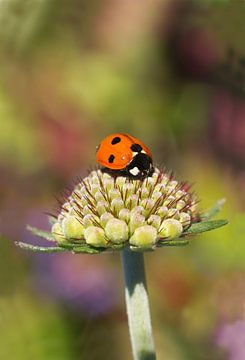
(137, 303)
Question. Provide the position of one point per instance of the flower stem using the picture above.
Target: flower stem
(137, 303)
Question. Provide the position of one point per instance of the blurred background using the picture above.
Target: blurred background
(171, 73)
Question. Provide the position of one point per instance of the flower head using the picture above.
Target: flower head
(104, 210)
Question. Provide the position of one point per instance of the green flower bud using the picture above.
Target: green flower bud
(160, 188)
(136, 220)
(86, 210)
(66, 206)
(58, 233)
(88, 220)
(109, 184)
(144, 236)
(124, 215)
(149, 182)
(128, 188)
(94, 189)
(115, 194)
(194, 207)
(171, 228)
(173, 184)
(132, 201)
(147, 204)
(185, 219)
(180, 194)
(72, 228)
(117, 205)
(144, 193)
(105, 218)
(156, 195)
(180, 205)
(169, 201)
(99, 197)
(173, 213)
(116, 231)
(61, 216)
(120, 181)
(154, 220)
(101, 207)
(95, 236)
(162, 211)
(138, 210)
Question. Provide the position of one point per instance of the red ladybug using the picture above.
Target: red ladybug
(123, 154)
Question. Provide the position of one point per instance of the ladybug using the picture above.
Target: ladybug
(123, 154)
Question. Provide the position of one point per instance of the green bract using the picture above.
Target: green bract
(110, 213)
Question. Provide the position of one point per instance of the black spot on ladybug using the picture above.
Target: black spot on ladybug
(111, 158)
(115, 140)
(136, 148)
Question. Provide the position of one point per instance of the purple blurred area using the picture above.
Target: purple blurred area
(231, 337)
(85, 285)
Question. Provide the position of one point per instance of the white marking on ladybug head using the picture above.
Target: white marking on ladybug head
(137, 153)
(135, 171)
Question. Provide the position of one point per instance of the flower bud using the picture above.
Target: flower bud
(185, 219)
(144, 236)
(173, 184)
(120, 181)
(94, 189)
(128, 188)
(116, 231)
(180, 194)
(132, 200)
(95, 236)
(136, 220)
(156, 195)
(105, 218)
(154, 220)
(101, 207)
(117, 205)
(86, 210)
(115, 194)
(98, 196)
(194, 207)
(109, 184)
(162, 211)
(180, 205)
(144, 193)
(124, 215)
(147, 204)
(169, 200)
(137, 209)
(171, 229)
(173, 213)
(72, 228)
(58, 233)
(88, 220)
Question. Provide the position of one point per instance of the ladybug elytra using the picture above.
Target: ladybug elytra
(123, 154)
